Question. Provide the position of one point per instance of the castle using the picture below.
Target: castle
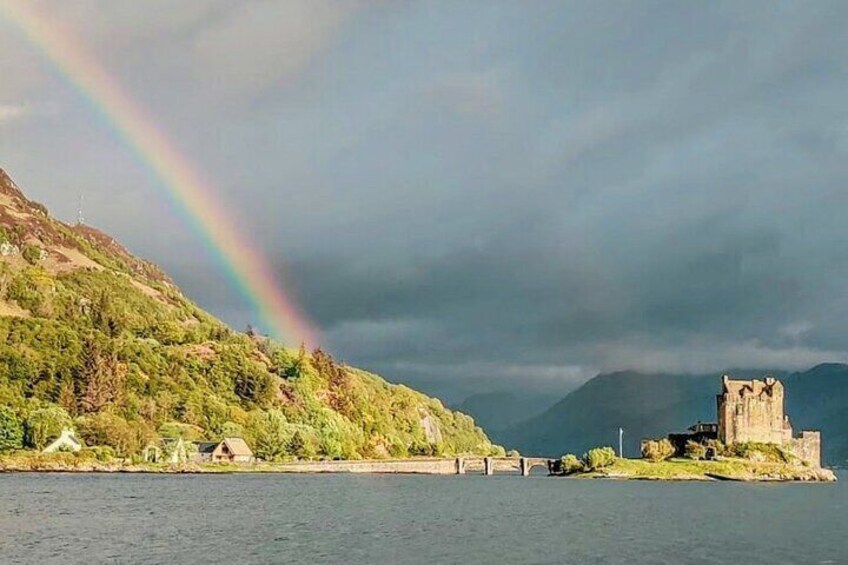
(753, 411)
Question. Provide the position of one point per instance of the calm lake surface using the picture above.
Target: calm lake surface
(66, 518)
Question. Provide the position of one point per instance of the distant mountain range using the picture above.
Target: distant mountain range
(651, 405)
(499, 410)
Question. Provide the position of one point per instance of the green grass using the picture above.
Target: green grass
(687, 469)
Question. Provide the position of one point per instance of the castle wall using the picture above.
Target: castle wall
(752, 411)
(807, 447)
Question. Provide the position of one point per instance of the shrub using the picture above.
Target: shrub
(657, 450)
(31, 254)
(513, 453)
(695, 450)
(11, 430)
(26, 290)
(756, 451)
(717, 445)
(101, 452)
(599, 457)
(570, 463)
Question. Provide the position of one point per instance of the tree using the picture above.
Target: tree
(232, 429)
(105, 428)
(254, 385)
(303, 444)
(657, 450)
(11, 430)
(292, 368)
(695, 450)
(181, 430)
(599, 458)
(45, 424)
(571, 464)
(103, 376)
(271, 435)
(67, 396)
(104, 314)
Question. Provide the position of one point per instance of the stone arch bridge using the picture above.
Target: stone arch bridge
(492, 465)
(426, 466)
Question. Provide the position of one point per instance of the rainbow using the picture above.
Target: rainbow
(192, 194)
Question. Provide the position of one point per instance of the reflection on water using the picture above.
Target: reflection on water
(63, 518)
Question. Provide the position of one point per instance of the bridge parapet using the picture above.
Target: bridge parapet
(429, 466)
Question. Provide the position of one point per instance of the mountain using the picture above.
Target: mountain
(818, 399)
(651, 405)
(644, 405)
(496, 411)
(94, 337)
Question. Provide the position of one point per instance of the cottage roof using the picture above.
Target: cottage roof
(169, 441)
(237, 446)
(66, 439)
(206, 446)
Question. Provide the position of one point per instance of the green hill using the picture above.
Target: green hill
(93, 336)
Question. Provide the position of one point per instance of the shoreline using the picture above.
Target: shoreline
(732, 470)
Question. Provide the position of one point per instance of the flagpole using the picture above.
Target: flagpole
(621, 443)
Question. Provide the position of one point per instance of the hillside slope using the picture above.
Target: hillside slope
(499, 410)
(651, 405)
(93, 336)
(644, 405)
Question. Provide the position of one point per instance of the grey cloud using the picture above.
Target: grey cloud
(9, 112)
(283, 38)
(478, 199)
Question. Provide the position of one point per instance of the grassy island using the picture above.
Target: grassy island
(681, 469)
(740, 462)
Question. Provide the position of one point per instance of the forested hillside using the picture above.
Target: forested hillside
(93, 337)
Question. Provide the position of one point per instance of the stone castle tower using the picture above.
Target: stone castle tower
(753, 411)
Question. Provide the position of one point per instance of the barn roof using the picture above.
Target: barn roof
(237, 446)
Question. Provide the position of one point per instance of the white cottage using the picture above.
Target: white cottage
(67, 441)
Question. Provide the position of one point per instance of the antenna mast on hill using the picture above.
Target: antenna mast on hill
(80, 218)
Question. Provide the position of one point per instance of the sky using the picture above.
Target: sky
(478, 196)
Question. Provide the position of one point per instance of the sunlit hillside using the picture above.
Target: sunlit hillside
(93, 337)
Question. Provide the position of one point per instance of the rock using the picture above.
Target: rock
(8, 248)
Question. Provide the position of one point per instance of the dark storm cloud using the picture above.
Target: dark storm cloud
(476, 197)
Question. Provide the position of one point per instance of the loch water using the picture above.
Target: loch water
(365, 519)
